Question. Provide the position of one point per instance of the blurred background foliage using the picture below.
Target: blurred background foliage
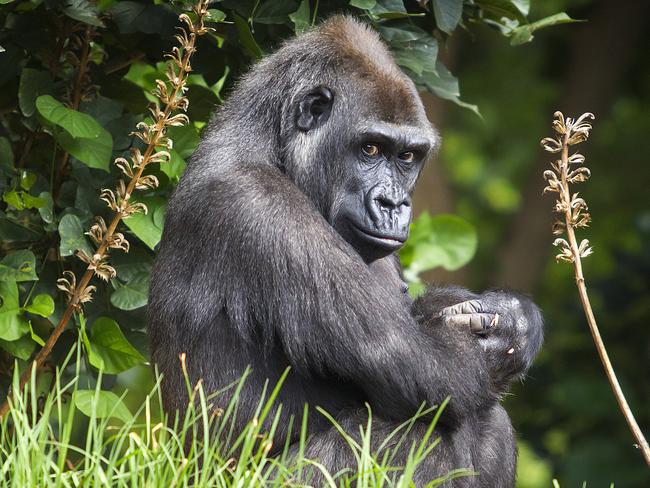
(61, 127)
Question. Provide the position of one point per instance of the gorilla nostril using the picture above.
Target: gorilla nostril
(391, 202)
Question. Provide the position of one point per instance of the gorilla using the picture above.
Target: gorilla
(279, 250)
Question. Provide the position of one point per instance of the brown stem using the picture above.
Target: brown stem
(642, 443)
(75, 101)
(74, 302)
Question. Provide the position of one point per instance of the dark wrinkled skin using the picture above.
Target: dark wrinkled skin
(278, 250)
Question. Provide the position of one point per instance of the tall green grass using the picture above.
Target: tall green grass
(146, 449)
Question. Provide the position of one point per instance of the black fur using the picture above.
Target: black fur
(252, 272)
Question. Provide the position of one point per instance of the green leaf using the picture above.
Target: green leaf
(6, 156)
(14, 199)
(20, 348)
(502, 8)
(33, 83)
(12, 323)
(274, 12)
(133, 294)
(83, 11)
(150, 18)
(391, 9)
(522, 5)
(402, 31)
(447, 13)
(35, 337)
(215, 15)
(143, 225)
(112, 352)
(27, 179)
(95, 153)
(72, 236)
(77, 124)
(524, 33)
(246, 38)
(82, 135)
(42, 305)
(300, 17)
(363, 4)
(175, 167)
(46, 211)
(419, 57)
(445, 85)
(18, 266)
(443, 240)
(186, 139)
(101, 404)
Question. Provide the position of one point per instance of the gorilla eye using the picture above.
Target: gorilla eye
(371, 150)
(407, 157)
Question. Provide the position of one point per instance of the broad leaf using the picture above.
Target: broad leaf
(42, 305)
(82, 136)
(72, 236)
(18, 266)
(443, 240)
(300, 17)
(47, 210)
(21, 348)
(33, 83)
(12, 323)
(133, 294)
(363, 4)
(274, 12)
(402, 31)
(95, 152)
(111, 351)
(143, 225)
(442, 83)
(77, 124)
(419, 57)
(175, 167)
(447, 13)
(83, 11)
(101, 404)
(246, 38)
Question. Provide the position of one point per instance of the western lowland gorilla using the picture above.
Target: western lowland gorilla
(279, 250)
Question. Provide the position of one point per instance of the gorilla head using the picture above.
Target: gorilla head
(354, 107)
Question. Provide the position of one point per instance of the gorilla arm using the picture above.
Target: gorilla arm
(281, 272)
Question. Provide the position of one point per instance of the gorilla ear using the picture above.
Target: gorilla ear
(314, 108)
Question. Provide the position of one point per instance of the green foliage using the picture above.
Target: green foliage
(444, 240)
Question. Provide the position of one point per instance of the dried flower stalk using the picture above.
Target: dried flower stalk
(573, 214)
(173, 102)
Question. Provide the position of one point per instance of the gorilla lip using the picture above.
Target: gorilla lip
(390, 241)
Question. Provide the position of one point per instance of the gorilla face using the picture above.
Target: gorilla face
(379, 166)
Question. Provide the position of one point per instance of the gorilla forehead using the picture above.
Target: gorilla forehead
(367, 69)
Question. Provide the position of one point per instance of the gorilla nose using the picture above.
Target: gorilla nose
(393, 201)
(388, 206)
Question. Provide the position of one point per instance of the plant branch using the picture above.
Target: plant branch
(153, 135)
(574, 215)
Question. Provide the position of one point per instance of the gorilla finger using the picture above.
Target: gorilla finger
(478, 323)
(468, 307)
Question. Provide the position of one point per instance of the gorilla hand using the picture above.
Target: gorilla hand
(508, 327)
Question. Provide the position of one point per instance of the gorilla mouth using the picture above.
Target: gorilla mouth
(386, 241)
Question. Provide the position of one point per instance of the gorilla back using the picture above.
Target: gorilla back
(278, 250)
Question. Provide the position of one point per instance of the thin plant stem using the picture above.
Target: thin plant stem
(573, 211)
